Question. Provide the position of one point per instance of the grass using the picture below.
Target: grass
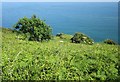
(55, 60)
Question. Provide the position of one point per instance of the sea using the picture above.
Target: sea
(98, 20)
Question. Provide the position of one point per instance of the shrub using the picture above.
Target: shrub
(60, 35)
(33, 28)
(81, 38)
(108, 41)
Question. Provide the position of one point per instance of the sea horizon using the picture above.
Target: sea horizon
(98, 20)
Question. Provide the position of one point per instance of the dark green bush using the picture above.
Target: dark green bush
(33, 28)
(108, 41)
(60, 35)
(81, 38)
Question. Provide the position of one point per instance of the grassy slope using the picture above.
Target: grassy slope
(0, 51)
(55, 60)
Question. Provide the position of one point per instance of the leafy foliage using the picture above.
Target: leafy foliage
(108, 41)
(33, 28)
(81, 38)
(31, 60)
(59, 34)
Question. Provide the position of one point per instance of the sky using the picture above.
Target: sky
(60, 0)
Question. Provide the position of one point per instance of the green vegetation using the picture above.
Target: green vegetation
(0, 53)
(63, 37)
(55, 60)
(33, 28)
(81, 38)
(108, 41)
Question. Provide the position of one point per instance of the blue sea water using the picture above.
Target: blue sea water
(99, 20)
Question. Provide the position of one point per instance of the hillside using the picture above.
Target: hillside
(56, 60)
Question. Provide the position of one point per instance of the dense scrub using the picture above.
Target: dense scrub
(25, 60)
(81, 38)
(33, 29)
(108, 41)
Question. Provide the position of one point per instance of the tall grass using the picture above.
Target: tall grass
(53, 60)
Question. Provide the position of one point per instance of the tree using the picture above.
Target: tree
(81, 38)
(33, 28)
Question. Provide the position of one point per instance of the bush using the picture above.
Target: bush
(81, 38)
(33, 28)
(59, 35)
(108, 41)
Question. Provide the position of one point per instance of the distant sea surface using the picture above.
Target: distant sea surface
(99, 20)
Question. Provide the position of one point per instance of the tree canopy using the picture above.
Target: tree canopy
(34, 28)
